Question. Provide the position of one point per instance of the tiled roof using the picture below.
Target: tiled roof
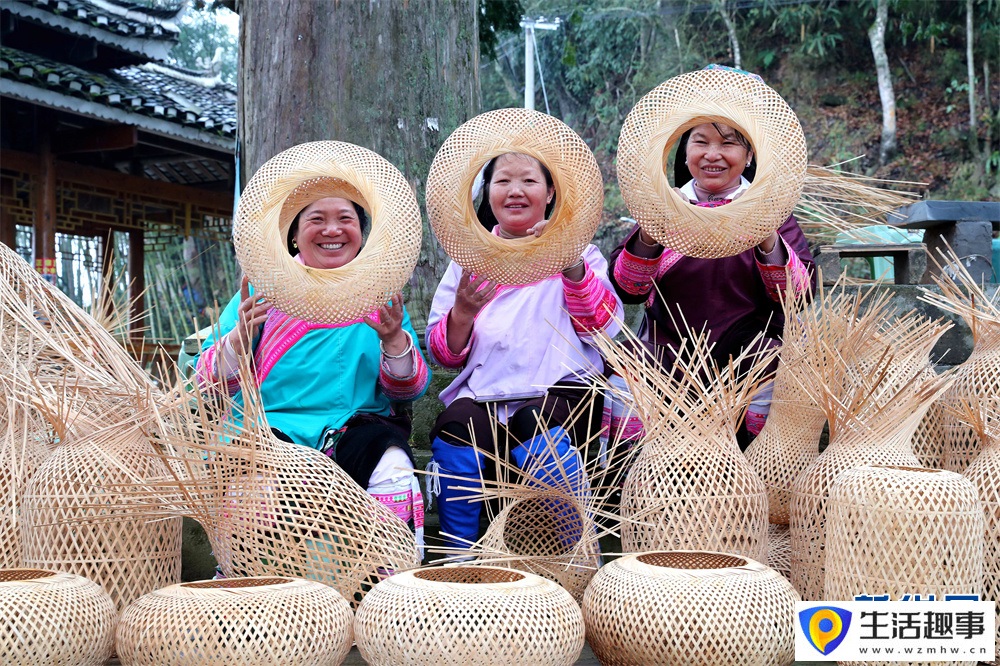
(153, 91)
(126, 26)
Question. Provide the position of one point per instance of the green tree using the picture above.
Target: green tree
(206, 42)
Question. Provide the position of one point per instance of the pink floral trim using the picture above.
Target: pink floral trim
(437, 345)
(590, 304)
(775, 277)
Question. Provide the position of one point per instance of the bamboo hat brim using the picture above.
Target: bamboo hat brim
(711, 95)
(291, 180)
(575, 174)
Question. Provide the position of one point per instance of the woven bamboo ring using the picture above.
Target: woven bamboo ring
(53, 617)
(291, 180)
(711, 95)
(246, 621)
(468, 615)
(575, 175)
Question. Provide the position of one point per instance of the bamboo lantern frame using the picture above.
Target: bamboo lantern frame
(903, 530)
(468, 615)
(690, 418)
(690, 607)
(245, 621)
(873, 410)
(53, 617)
(576, 176)
(288, 182)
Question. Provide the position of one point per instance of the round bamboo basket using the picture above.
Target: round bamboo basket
(656, 123)
(575, 175)
(690, 607)
(288, 182)
(74, 520)
(549, 536)
(22, 452)
(929, 440)
(473, 615)
(900, 530)
(53, 618)
(245, 621)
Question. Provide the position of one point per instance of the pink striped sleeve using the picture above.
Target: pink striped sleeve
(402, 389)
(776, 277)
(589, 302)
(207, 371)
(437, 345)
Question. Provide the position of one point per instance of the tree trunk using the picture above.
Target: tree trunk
(734, 41)
(977, 160)
(394, 77)
(876, 35)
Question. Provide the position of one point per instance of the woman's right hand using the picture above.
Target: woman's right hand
(251, 314)
(471, 296)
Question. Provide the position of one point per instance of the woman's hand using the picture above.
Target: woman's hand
(250, 315)
(538, 229)
(471, 296)
(389, 326)
(767, 245)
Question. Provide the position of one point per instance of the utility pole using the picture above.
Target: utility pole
(529, 25)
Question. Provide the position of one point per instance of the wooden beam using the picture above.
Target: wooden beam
(8, 234)
(45, 211)
(107, 263)
(220, 202)
(114, 137)
(137, 283)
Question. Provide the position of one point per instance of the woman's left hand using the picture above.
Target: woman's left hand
(538, 229)
(389, 325)
(767, 245)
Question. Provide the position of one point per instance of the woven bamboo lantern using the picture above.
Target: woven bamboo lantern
(978, 378)
(576, 177)
(468, 615)
(49, 618)
(779, 549)
(75, 520)
(872, 419)
(288, 182)
(245, 621)
(269, 507)
(689, 607)
(725, 96)
(903, 530)
(984, 473)
(789, 441)
(929, 438)
(690, 486)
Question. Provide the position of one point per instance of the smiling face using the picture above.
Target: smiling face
(716, 156)
(518, 193)
(329, 233)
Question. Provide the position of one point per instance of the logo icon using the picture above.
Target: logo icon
(825, 627)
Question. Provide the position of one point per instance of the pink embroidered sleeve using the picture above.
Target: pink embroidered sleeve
(635, 275)
(403, 389)
(207, 370)
(589, 302)
(437, 345)
(775, 277)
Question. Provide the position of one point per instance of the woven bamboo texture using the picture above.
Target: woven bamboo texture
(658, 120)
(51, 618)
(575, 175)
(690, 487)
(984, 473)
(693, 608)
(269, 507)
(978, 378)
(897, 531)
(929, 440)
(789, 441)
(74, 521)
(779, 549)
(289, 181)
(468, 615)
(873, 414)
(237, 621)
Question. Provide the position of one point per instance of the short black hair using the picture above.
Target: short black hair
(292, 250)
(682, 175)
(485, 211)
